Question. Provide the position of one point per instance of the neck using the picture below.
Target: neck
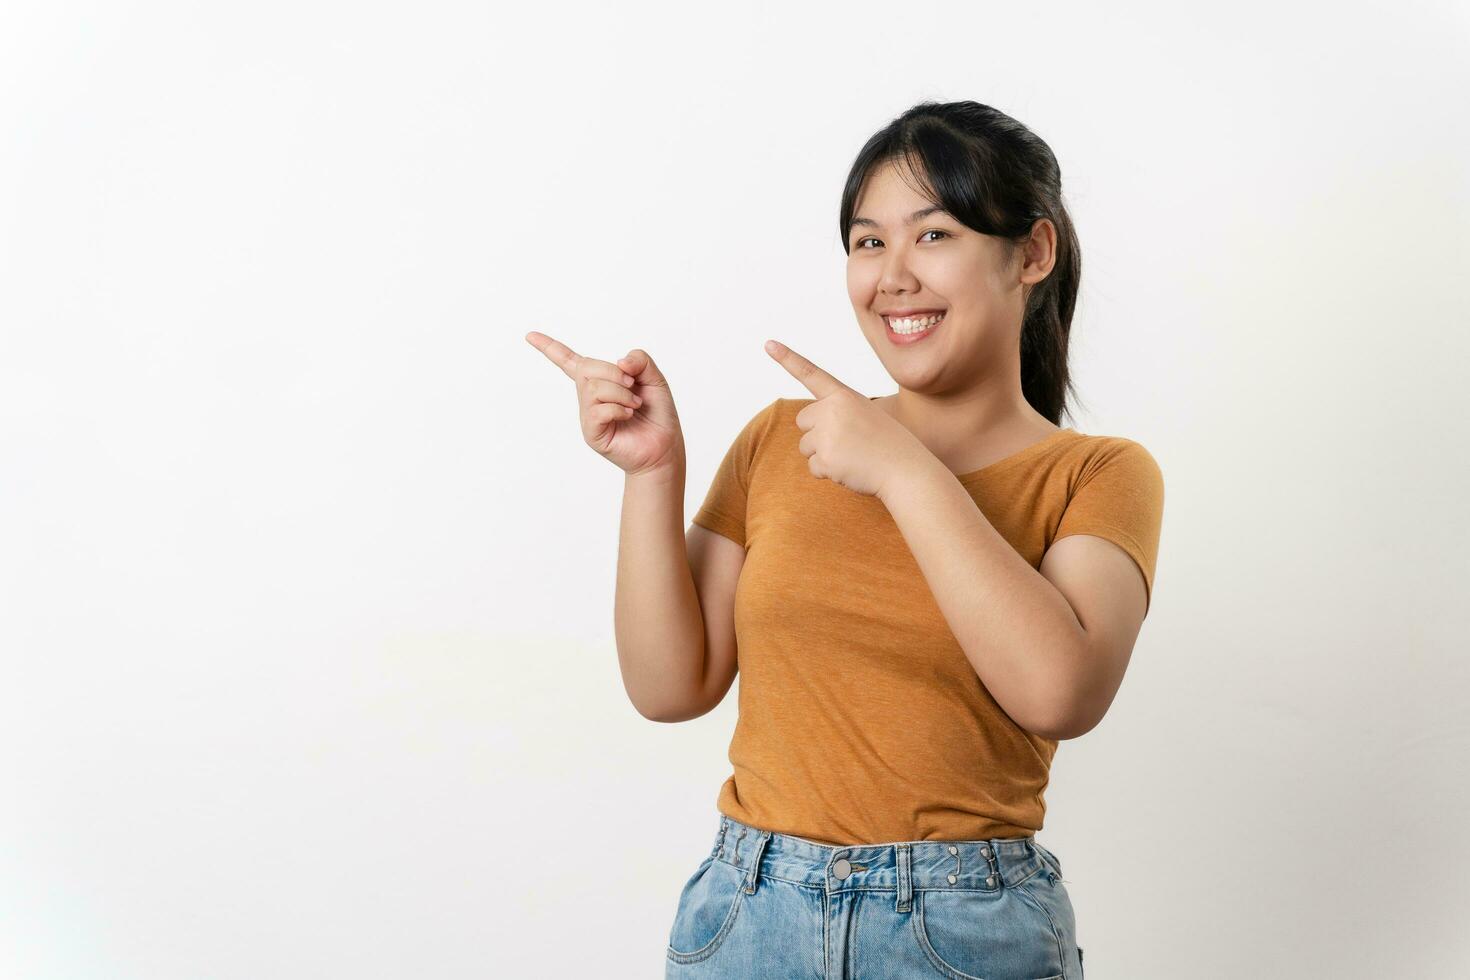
(955, 425)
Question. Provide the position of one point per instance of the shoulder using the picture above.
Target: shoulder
(760, 421)
(782, 412)
(1096, 451)
(1122, 464)
(758, 430)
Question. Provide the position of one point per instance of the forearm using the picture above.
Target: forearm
(656, 615)
(1017, 630)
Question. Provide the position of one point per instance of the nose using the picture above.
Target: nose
(896, 276)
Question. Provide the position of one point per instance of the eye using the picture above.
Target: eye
(932, 231)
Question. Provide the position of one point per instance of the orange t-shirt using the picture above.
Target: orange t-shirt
(860, 719)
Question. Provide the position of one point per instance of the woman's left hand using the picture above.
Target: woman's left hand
(849, 439)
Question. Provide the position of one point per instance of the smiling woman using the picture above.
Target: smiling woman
(923, 592)
(956, 211)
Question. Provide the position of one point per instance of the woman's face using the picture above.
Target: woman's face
(931, 263)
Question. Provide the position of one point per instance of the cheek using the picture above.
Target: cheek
(956, 282)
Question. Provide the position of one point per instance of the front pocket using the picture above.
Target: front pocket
(707, 908)
(985, 935)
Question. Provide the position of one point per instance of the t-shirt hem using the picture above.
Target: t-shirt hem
(1123, 540)
(720, 524)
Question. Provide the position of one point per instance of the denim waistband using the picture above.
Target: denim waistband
(983, 865)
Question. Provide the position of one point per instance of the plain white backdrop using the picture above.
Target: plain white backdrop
(306, 640)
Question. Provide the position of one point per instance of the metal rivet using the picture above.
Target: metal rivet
(953, 849)
(985, 851)
(952, 879)
(990, 881)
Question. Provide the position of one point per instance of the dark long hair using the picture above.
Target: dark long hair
(999, 178)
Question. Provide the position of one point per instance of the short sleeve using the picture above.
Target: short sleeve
(1120, 496)
(723, 510)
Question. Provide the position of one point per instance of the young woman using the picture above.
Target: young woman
(927, 590)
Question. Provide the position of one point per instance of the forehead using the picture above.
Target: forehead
(890, 194)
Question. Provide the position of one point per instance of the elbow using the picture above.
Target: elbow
(1072, 704)
(1048, 730)
(1068, 721)
(1061, 722)
(665, 718)
(1062, 730)
(660, 715)
(675, 713)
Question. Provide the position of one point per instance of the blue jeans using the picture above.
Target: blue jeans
(768, 906)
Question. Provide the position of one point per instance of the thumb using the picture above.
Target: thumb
(642, 368)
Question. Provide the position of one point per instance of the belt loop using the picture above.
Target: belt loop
(762, 839)
(720, 838)
(905, 878)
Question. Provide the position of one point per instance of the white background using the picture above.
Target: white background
(306, 653)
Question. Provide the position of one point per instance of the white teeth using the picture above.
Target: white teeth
(914, 325)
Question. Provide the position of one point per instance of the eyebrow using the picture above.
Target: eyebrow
(921, 213)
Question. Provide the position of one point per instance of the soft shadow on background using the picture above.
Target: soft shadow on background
(306, 650)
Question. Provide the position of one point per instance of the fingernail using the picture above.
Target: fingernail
(628, 379)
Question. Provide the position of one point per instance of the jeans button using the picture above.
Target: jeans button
(841, 869)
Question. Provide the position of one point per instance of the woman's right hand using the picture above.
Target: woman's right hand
(626, 409)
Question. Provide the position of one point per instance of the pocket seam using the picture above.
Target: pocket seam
(710, 948)
(940, 963)
(1023, 891)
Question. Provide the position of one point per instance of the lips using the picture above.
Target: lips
(904, 339)
(909, 312)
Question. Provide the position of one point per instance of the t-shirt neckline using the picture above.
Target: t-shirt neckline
(1017, 456)
(1021, 454)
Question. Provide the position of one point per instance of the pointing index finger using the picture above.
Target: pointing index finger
(817, 381)
(556, 352)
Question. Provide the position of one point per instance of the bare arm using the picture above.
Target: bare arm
(1016, 628)
(674, 607)
(1051, 645)
(677, 659)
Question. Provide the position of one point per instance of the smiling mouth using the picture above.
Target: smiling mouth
(911, 330)
(904, 326)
